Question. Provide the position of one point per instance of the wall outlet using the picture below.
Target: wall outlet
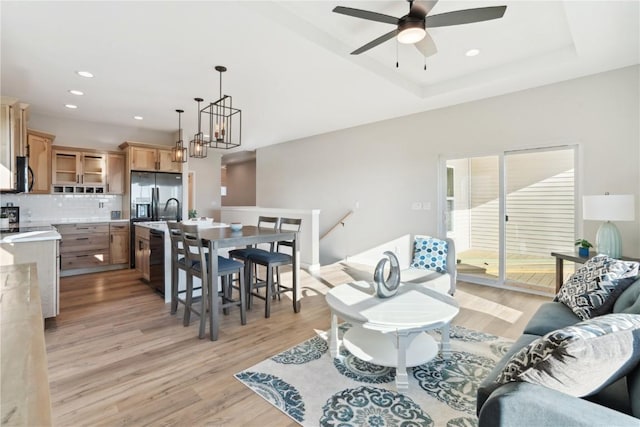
(426, 206)
(416, 206)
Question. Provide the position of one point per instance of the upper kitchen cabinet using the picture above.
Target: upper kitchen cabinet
(39, 153)
(13, 136)
(78, 171)
(115, 173)
(148, 157)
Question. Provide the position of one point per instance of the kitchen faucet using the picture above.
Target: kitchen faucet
(178, 217)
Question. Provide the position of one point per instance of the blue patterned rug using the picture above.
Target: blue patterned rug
(313, 389)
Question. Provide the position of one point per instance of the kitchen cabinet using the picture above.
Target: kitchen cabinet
(84, 245)
(143, 252)
(13, 136)
(39, 152)
(77, 171)
(119, 243)
(115, 173)
(148, 157)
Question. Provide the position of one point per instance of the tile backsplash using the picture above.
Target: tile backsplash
(63, 207)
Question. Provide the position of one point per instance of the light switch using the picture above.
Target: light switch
(416, 206)
(426, 206)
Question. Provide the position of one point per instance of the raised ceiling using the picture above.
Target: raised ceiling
(290, 70)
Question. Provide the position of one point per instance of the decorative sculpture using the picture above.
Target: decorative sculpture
(388, 287)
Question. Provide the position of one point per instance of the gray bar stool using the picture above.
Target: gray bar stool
(197, 257)
(179, 262)
(272, 261)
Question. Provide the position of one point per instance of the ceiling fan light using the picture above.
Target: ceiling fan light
(411, 32)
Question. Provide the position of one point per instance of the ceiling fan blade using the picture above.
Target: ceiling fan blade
(376, 42)
(420, 9)
(426, 46)
(466, 16)
(365, 14)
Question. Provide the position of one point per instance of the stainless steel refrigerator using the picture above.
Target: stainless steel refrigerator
(155, 196)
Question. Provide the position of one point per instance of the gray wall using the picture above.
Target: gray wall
(380, 169)
(241, 184)
(207, 182)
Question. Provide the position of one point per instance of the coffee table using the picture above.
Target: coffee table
(391, 331)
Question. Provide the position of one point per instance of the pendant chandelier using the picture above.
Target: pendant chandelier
(197, 146)
(179, 152)
(225, 122)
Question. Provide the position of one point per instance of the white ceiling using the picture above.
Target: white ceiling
(290, 70)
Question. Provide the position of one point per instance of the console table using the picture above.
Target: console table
(391, 331)
(573, 256)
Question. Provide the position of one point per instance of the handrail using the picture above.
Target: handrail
(340, 222)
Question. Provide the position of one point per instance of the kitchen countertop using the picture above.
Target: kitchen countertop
(162, 225)
(31, 234)
(25, 398)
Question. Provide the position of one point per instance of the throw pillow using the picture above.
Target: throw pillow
(592, 290)
(579, 360)
(430, 253)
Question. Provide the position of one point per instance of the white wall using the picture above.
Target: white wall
(385, 166)
(241, 184)
(101, 136)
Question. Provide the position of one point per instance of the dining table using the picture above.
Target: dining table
(249, 235)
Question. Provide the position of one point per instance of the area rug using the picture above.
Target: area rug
(313, 389)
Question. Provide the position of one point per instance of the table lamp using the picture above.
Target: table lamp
(609, 208)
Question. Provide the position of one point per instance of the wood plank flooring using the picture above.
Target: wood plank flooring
(117, 357)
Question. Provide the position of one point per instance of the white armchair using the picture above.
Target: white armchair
(403, 248)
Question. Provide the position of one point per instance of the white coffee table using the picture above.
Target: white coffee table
(391, 331)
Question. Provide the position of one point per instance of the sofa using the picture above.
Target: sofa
(528, 404)
(361, 266)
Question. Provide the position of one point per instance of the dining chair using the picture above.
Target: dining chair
(272, 261)
(197, 262)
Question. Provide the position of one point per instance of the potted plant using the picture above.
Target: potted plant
(193, 213)
(583, 247)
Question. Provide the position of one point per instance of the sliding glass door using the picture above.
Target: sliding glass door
(508, 212)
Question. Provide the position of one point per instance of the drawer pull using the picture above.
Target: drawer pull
(81, 256)
(82, 238)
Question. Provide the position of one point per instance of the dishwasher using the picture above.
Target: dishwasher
(156, 260)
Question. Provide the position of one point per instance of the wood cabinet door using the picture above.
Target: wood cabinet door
(143, 252)
(115, 174)
(119, 247)
(166, 165)
(66, 167)
(39, 151)
(143, 159)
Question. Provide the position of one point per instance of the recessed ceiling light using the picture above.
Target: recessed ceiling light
(472, 52)
(71, 106)
(76, 92)
(84, 74)
(138, 117)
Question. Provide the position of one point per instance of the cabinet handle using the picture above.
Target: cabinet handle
(82, 238)
(77, 179)
(107, 187)
(81, 256)
(111, 238)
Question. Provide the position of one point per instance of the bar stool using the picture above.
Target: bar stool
(179, 262)
(197, 257)
(242, 254)
(272, 261)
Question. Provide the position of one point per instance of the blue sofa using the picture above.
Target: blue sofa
(524, 404)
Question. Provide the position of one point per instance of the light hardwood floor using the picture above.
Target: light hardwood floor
(117, 357)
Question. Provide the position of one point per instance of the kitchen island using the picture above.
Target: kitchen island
(38, 245)
(144, 256)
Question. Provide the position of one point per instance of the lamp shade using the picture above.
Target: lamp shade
(608, 207)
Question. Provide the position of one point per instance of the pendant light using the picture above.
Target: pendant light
(179, 152)
(197, 146)
(225, 122)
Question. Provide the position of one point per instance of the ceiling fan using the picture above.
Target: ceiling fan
(412, 27)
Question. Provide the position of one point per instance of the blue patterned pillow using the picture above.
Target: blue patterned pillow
(579, 360)
(593, 289)
(430, 253)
